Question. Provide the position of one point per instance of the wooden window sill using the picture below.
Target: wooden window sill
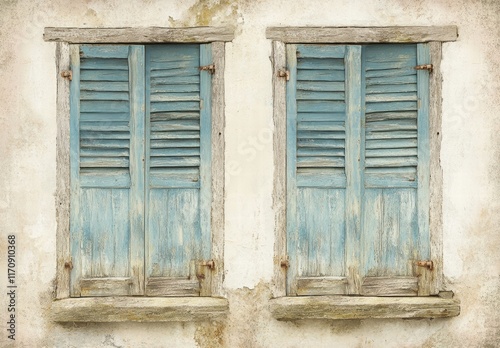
(347, 307)
(139, 309)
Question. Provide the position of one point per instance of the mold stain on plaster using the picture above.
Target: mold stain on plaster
(212, 12)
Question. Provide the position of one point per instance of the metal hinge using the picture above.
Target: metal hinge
(284, 73)
(427, 263)
(428, 67)
(210, 264)
(210, 68)
(67, 74)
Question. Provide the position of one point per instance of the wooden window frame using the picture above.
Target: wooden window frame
(152, 309)
(286, 307)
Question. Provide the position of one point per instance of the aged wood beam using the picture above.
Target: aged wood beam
(138, 35)
(362, 34)
(344, 307)
(141, 309)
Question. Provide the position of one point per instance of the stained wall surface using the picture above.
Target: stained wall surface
(470, 159)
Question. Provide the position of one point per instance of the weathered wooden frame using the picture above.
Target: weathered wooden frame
(74, 309)
(361, 35)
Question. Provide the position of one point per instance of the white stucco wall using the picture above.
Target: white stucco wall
(470, 159)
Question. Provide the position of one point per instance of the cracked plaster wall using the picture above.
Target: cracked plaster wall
(470, 159)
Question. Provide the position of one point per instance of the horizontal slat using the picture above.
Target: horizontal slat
(321, 126)
(311, 151)
(104, 106)
(115, 178)
(104, 125)
(104, 51)
(104, 75)
(320, 51)
(313, 95)
(390, 97)
(104, 64)
(174, 143)
(391, 161)
(103, 95)
(320, 135)
(383, 116)
(174, 177)
(390, 125)
(321, 86)
(391, 135)
(105, 143)
(104, 135)
(167, 74)
(185, 62)
(104, 116)
(157, 135)
(175, 151)
(389, 286)
(157, 82)
(162, 286)
(166, 116)
(104, 162)
(175, 125)
(323, 143)
(175, 106)
(304, 75)
(320, 106)
(105, 286)
(323, 161)
(174, 161)
(321, 116)
(391, 143)
(314, 286)
(175, 97)
(388, 64)
(320, 63)
(321, 177)
(399, 88)
(99, 86)
(410, 151)
(389, 180)
(177, 88)
(391, 106)
(410, 70)
(100, 152)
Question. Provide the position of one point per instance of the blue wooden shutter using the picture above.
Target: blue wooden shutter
(316, 176)
(178, 180)
(395, 220)
(107, 99)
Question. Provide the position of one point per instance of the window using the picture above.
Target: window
(357, 168)
(140, 170)
(140, 173)
(355, 124)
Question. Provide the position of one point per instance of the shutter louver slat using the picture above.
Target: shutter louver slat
(320, 95)
(390, 116)
(175, 120)
(104, 116)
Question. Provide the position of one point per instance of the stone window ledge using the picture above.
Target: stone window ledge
(139, 309)
(349, 307)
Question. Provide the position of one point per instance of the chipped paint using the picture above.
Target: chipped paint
(470, 158)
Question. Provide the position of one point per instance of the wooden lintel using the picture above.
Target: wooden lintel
(394, 34)
(141, 309)
(344, 307)
(138, 35)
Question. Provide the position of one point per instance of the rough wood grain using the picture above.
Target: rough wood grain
(218, 146)
(343, 307)
(279, 180)
(120, 309)
(436, 179)
(106, 286)
(138, 35)
(62, 173)
(163, 286)
(362, 34)
(316, 286)
(389, 286)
